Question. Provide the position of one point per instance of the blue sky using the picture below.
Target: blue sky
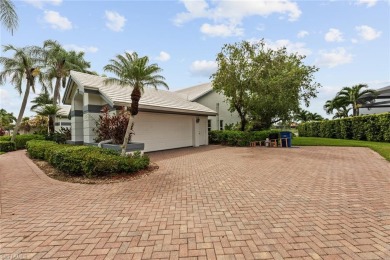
(348, 40)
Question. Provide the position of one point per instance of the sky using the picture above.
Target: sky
(349, 41)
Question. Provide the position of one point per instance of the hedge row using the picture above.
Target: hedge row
(238, 138)
(368, 127)
(21, 140)
(87, 161)
(7, 146)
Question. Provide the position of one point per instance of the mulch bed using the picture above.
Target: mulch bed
(113, 178)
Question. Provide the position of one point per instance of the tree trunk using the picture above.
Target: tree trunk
(21, 112)
(135, 97)
(243, 123)
(51, 124)
(56, 90)
(127, 135)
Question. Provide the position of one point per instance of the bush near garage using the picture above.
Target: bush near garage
(238, 138)
(88, 161)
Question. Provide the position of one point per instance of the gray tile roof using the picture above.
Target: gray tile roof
(152, 99)
(195, 92)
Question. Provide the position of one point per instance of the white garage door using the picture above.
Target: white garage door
(163, 131)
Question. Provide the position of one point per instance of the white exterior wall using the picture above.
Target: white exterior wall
(62, 122)
(90, 116)
(211, 100)
(160, 131)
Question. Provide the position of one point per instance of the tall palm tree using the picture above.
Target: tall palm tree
(353, 96)
(50, 111)
(136, 72)
(8, 15)
(314, 117)
(41, 100)
(59, 64)
(23, 65)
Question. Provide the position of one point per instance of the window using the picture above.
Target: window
(209, 125)
(220, 124)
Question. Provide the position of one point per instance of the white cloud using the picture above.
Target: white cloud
(57, 21)
(221, 30)
(334, 58)
(302, 34)
(367, 33)
(227, 15)
(291, 47)
(203, 68)
(334, 35)
(368, 3)
(164, 56)
(41, 3)
(115, 21)
(74, 47)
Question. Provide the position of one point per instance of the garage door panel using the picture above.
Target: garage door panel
(163, 131)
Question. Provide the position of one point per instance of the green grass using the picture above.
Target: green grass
(382, 148)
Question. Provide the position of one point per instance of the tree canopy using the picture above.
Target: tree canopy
(262, 84)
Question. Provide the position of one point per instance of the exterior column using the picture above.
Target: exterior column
(195, 131)
(76, 114)
(91, 111)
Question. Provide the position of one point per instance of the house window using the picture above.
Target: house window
(220, 124)
(209, 125)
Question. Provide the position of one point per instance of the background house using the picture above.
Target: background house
(62, 118)
(205, 94)
(381, 104)
(165, 121)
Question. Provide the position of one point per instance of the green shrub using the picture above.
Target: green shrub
(7, 146)
(237, 138)
(21, 140)
(87, 161)
(367, 127)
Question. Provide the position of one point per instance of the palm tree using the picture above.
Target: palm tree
(354, 96)
(50, 111)
(342, 112)
(314, 117)
(60, 62)
(6, 119)
(23, 65)
(8, 15)
(41, 100)
(133, 71)
(302, 116)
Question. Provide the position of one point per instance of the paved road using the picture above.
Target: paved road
(205, 203)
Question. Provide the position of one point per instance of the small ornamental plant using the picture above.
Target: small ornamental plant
(111, 127)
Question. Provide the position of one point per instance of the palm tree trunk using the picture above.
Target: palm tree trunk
(51, 124)
(56, 90)
(21, 112)
(127, 135)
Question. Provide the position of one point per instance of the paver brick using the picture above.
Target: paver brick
(205, 203)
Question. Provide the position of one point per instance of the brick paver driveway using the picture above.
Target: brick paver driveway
(209, 202)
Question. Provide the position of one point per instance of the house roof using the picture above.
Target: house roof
(152, 99)
(64, 111)
(195, 92)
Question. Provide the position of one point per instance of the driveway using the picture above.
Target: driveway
(205, 203)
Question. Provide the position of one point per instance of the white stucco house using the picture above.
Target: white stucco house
(166, 120)
(205, 94)
(62, 118)
(381, 104)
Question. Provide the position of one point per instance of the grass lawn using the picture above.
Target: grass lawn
(381, 148)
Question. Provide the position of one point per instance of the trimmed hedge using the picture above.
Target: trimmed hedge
(7, 146)
(21, 140)
(238, 138)
(87, 161)
(365, 128)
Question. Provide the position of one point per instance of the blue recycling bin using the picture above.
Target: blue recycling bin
(288, 136)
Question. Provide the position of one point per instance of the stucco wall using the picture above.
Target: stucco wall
(211, 100)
